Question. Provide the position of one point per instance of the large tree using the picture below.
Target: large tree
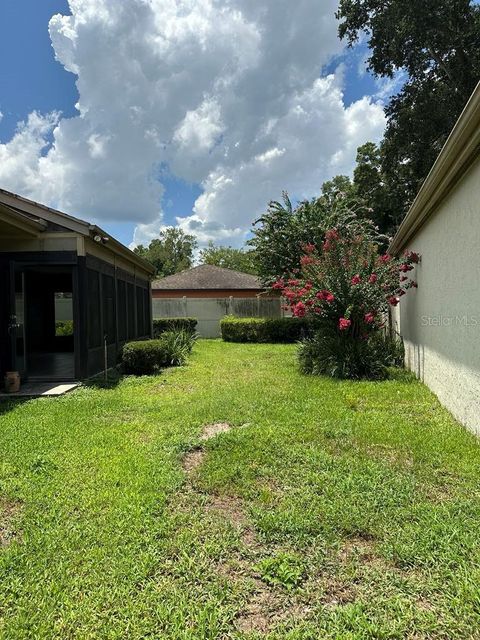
(229, 258)
(282, 232)
(171, 252)
(373, 188)
(436, 43)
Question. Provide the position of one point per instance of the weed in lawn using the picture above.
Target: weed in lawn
(284, 569)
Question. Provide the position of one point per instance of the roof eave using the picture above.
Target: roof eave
(120, 249)
(459, 151)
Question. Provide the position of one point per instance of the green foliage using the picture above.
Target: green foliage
(229, 258)
(434, 44)
(371, 187)
(170, 253)
(160, 325)
(150, 356)
(263, 329)
(64, 328)
(341, 355)
(284, 569)
(279, 236)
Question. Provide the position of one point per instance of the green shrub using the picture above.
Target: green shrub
(64, 328)
(330, 352)
(263, 329)
(161, 325)
(177, 346)
(150, 356)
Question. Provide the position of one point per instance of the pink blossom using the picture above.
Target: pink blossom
(306, 260)
(299, 310)
(373, 278)
(356, 279)
(369, 317)
(332, 235)
(344, 323)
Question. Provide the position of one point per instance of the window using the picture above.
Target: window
(63, 313)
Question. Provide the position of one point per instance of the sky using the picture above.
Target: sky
(149, 113)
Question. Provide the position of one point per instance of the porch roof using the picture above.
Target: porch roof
(17, 212)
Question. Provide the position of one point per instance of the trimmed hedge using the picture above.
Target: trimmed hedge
(263, 329)
(160, 325)
(146, 357)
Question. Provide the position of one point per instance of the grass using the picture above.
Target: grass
(330, 510)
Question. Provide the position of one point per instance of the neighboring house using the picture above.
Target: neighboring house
(66, 287)
(208, 293)
(440, 321)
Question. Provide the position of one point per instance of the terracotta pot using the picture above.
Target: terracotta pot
(12, 382)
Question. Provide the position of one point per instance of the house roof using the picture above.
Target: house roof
(460, 150)
(42, 219)
(207, 276)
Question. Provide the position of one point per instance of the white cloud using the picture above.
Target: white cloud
(225, 93)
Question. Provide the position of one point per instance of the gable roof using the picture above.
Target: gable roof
(458, 153)
(41, 218)
(208, 276)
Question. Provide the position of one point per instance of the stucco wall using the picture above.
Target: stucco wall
(440, 321)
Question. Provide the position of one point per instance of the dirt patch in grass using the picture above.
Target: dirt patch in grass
(192, 460)
(9, 509)
(212, 430)
(362, 550)
(258, 615)
(338, 592)
(269, 607)
(230, 507)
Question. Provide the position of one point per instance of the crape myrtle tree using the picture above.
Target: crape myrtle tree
(436, 44)
(346, 285)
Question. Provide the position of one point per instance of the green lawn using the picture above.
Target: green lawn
(330, 510)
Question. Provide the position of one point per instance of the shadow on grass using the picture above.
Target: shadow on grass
(9, 404)
(100, 381)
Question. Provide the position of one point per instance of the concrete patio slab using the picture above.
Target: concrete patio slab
(40, 389)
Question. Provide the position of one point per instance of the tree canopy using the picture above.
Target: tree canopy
(436, 43)
(170, 253)
(282, 232)
(229, 258)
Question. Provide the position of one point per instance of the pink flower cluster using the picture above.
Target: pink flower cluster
(346, 282)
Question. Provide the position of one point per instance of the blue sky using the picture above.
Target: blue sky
(32, 80)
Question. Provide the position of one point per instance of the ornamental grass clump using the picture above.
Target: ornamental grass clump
(348, 285)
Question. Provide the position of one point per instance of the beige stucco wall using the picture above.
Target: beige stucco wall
(440, 321)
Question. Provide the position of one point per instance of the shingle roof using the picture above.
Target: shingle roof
(208, 276)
